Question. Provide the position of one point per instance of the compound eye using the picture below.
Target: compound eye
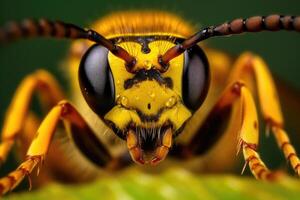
(96, 80)
(195, 80)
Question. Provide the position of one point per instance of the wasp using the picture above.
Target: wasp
(146, 78)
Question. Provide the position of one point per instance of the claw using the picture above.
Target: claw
(136, 155)
(134, 151)
(160, 155)
(162, 151)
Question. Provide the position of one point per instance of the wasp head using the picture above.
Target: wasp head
(145, 105)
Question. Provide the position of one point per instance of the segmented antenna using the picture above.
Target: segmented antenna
(44, 28)
(237, 26)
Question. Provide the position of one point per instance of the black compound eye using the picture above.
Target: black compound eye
(195, 80)
(96, 81)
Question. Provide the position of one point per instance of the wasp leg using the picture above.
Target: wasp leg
(251, 66)
(53, 170)
(39, 146)
(50, 94)
(249, 136)
(246, 118)
(245, 121)
(31, 125)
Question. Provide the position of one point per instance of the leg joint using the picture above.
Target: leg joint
(296, 167)
(260, 172)
(251, 158)
(24, 170)
(12, 180)
(284, 144)
(255, 165)
(249, 145)
(237, 86)
(66, 107)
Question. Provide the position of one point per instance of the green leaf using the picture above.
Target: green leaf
(171, 184)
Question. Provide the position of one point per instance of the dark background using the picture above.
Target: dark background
(280, 50)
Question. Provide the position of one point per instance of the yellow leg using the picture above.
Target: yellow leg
(249, 136)
(238, 95)
(39, 146)
(55, 156)
(250, 66)
(283, 142)
(50, 93)
(29, 130)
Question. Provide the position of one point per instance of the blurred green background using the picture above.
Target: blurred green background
(280, 50)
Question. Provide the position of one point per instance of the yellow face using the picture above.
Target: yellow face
(149, 110)
(146, 105)
(147, 98)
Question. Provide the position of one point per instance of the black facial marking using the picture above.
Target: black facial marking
(149, 118)
(145, 44)
(152, 74)
(146, 39)
(145, 49)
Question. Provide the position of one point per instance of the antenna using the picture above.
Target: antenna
(44, 28)
(235, 27)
